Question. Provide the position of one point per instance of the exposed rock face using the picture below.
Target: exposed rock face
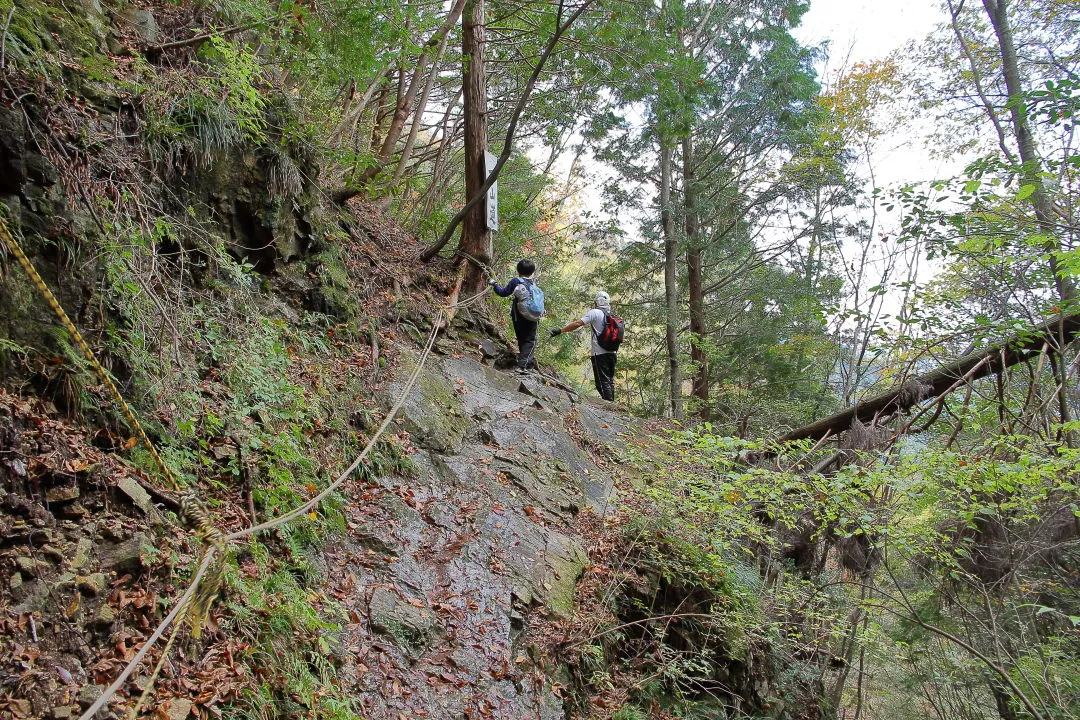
(482, 540)
(141, 22)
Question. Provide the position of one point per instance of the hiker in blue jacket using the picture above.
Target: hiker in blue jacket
(524, 327)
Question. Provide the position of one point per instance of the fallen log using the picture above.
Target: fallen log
(977, 364)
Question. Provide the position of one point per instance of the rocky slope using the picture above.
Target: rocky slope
(439, 572)
(473, 546)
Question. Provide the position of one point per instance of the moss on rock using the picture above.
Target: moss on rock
(43, 35)
(432, 412)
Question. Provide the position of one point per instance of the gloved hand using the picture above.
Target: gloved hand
(556, 331)
(491, 282)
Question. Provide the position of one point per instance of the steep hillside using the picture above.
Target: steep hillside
(270, 463)
(472, 566)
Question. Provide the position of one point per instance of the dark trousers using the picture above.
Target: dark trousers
(525, 330)
(603, 370)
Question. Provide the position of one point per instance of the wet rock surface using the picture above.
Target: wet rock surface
(483, 545)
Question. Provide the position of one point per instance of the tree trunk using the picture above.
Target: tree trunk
(998, 12)
(986, 361)
(382, 146)
(1003, 700)
(382, 86)
(671, 279)
(478, 199)
(383, 111)
(693, 269)
(407, 98)
(475, 236)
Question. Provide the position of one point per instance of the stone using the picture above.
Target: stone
(88, 695)
(141, 22)
(72, 511)
(54, 553)
(555, 577)
(15, 581)
(484, 414)
(32, 596)
(135, 493)
(103, 618)
(224, 452)
(12, 158)
(92, 585)
(82, 554)
(90, 6)
(116, 47)
(41, 171)
(27, 566)
(62, 712)
(484, 387)
(432, 412)
(128, 556)
(411, 628)
(64, 493)
(179, 708)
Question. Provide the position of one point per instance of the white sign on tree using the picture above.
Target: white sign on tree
(492, 193)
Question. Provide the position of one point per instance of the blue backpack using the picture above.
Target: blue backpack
(529, 300)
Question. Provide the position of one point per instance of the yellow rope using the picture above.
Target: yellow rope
(16, 250)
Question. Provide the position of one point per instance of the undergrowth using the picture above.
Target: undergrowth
(250, 409)
(690, 608)
(254, 405)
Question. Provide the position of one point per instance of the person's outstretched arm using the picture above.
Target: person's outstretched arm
(569, 328)
(504, 291)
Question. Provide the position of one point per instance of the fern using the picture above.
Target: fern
(285, 179)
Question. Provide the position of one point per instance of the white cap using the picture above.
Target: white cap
(602, 300)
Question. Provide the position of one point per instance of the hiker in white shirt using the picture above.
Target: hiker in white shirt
(603, 361)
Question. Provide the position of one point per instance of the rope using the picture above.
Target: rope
(476, 261)
(192, 595)
(313, 502)
(16, 249)
(191, 508)
(180, 606)
(471, 300)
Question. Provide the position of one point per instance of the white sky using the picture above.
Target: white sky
(860, 31)
(866, 30)
(871, 28)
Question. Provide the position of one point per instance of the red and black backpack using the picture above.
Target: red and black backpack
(612, 335)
